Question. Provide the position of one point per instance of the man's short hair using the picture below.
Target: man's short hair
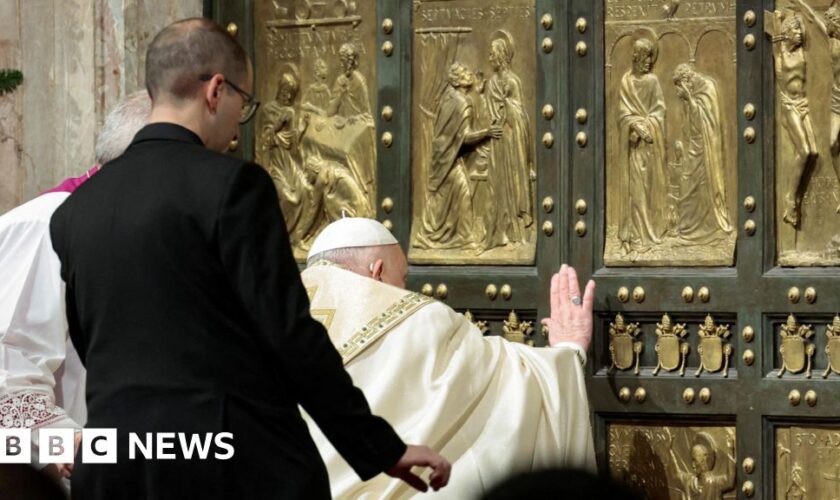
(185, 51)
(121, 125)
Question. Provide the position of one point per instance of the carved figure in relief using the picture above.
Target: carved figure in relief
(703, 212)
(350, 109)
(829, 25)
(447, 220)
(511, 168)
(699, 481)
(789, 57)
(317, 97)
(795, 490)
(280, 132)
(642, 141)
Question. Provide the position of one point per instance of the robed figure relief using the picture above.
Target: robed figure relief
(642, 155)
(671, 159)
(448, 219)
(703, 212)
(511, 169)
(473, 160)
(280, 131)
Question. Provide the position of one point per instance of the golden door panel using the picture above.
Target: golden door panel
(315, 65)
(661, 346)
(674, 461)
(806, 42)
(473, 167)
(807, 462)
(671, 133)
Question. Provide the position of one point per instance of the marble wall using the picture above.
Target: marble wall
(78, 58)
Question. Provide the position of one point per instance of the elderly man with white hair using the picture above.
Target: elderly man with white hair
(491, 406)
(42, 381)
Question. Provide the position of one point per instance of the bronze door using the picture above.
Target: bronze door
(680, 152)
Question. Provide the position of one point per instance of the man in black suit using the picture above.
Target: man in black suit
(186, 305)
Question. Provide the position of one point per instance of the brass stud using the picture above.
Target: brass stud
(547, 45)
(388, 205)
(548, 140)
(548, 204)
(811, 398)
(749, 357)
(232, 29)
(580, 24)
(388, 48)
(506, 292)
(688, 395)
(749, 204)
(748, 488)
(704, 294)
(639, 294)
(749, 18)
(624, 394)
(749, 111)
(581, 48)
(810, 295)
(748, 333)
(793, 295)
(387, 113)
(749, 41)
(749, 135)
(749, 227)
(640, 394)
(548, 228)
(623, 294)
(581, 115)
(749, 465)
(688, 294)
(580, 228)
(547, 21)
(581, 139)
(387, 139)
(427, 290)
(387, 25)
(491, 291)
(705, 395)
(233, 145)
(442, 291)
(388, 224)
(794, 397)
(580, 206)
(548, 111)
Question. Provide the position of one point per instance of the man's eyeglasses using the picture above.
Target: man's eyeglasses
(249, 109)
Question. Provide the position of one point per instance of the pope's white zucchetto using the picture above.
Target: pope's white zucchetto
(351, 232)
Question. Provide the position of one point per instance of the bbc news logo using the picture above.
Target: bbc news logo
(99, 446)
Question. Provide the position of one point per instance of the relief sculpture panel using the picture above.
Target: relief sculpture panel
(473, 167)
(673, 462)
(315, 66)
(805, 39)
(671, 149)
(807, 462)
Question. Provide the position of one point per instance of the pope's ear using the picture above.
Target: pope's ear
(376, 269)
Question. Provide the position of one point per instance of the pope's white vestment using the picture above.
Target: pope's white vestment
(491, 407)
(41, 376)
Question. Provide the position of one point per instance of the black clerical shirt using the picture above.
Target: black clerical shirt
(187, 309)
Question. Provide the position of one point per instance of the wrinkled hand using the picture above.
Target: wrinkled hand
(421, 456)
(569, 322)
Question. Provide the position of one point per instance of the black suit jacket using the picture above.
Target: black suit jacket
(187, 309)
